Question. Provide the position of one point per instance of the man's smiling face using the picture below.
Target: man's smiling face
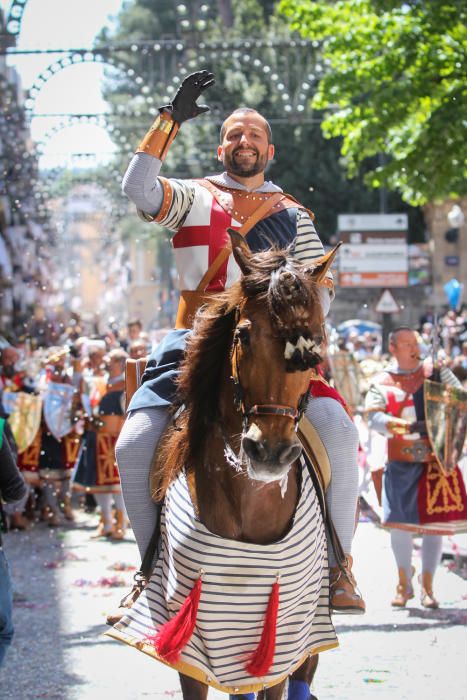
(245, 150)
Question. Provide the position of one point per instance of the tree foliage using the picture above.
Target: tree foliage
(307, 165)
(395, 84)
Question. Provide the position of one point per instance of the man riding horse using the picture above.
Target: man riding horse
(198, 213)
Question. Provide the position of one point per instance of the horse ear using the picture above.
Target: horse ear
(322, 265)
(240, 249)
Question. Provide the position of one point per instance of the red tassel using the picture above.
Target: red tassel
(175, 634)
(262, 658)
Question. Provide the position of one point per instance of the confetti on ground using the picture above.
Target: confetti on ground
(121, 566)
(71, 556)
(112, 582)
(373, 680)
(105, 582)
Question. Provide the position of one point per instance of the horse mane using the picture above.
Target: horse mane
(273, 278)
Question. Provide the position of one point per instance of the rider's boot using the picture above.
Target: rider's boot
(127, 601)
(428, 599)
(404, 590)
(343, 593)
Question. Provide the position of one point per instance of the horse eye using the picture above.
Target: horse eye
(243, 334)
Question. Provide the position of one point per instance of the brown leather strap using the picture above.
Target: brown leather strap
(134, 370)
(401, 450)
(257, 215)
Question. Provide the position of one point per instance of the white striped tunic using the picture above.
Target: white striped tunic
(236, 586)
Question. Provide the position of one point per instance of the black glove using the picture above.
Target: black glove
(418, 426)
(184, 105)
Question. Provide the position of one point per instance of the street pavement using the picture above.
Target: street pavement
(66, 582)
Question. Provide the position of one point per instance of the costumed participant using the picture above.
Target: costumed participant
(11, 384)
(418, 496)
(12, 488)
(58, 441)
(198, 213)
(97, 470)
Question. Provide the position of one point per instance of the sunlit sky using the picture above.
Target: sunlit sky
(56, 24)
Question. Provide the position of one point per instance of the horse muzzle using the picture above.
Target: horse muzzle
(268, 460)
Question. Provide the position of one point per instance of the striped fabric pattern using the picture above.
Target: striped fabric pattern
(183, 195)
(308, 246)
(237, 582)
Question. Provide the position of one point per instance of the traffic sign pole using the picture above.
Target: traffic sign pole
(386, 306)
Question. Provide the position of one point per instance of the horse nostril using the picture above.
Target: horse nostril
(255, 449)
(289, 453)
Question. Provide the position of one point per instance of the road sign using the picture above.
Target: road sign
(373, 222)
(374, 251)
(387, 304)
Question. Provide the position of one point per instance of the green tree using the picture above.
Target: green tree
(395, 84)
(252, 70)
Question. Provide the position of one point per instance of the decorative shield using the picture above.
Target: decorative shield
(58, 401)
(25, 412)
(446, 420)
(347, 377)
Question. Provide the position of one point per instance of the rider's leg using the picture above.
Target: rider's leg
(135, 449)
(340, 439)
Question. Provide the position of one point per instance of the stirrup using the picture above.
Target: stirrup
(140, 582)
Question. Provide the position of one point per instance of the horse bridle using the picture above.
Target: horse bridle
(261, 409)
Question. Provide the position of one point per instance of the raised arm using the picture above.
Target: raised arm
(141, 183)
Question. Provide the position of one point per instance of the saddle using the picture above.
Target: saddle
(307, 434)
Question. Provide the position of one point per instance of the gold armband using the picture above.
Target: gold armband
(398, 426)
(159, 137)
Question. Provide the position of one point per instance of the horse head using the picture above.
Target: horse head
(278, 339)
(243, 384)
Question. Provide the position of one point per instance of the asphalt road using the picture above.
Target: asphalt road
(66, 582)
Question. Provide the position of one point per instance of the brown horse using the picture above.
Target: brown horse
(243, 385)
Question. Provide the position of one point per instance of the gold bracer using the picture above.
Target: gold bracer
(159, 137)
(398, 426)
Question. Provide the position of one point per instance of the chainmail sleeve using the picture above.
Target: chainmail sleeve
(159, 199)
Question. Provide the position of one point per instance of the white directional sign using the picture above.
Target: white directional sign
(374, 251)
(387, 304)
